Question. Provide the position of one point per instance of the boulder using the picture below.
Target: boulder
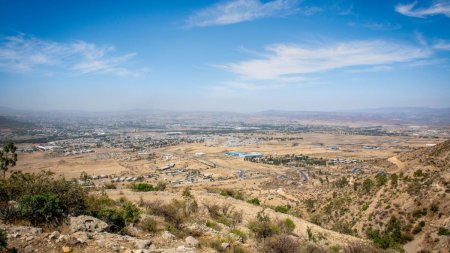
(191, 241)
(168, 236)
(87, 224)
(225, 246)
(142, 244)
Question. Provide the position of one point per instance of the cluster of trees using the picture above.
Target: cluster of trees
(292, 159)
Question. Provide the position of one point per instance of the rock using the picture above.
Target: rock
(225, 246)
(114, 246)
(168, 236)
(183, 249)
(191, 241)
(14, 235)
(87, 224)
(100, 243)
(54, 235)
(66, 249)
(73, 241)
(81, 237)
(142, 244)
(62, 238)
(29, 238)
(24, 230)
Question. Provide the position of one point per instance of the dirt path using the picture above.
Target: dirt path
(400, 165)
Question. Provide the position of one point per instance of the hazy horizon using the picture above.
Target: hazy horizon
(231, 55)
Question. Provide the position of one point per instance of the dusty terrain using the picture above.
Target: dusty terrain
(318, 202)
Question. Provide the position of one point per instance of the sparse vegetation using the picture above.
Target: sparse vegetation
(443, 231)
(3, 239)
(281, 244)
(149, 225)
(254, 201)
(145, 187)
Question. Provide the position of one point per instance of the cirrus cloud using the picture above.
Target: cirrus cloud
(237, 11)
(283, 60)
(22, 53)
(441, 7)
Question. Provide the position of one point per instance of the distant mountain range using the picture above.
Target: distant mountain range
(390, 115)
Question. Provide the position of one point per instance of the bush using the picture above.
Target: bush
(52, 198)
(240, 234)
(254, 201)
(176, 212)
(114, 218)
(3, 239)
(287, 226)
(443, 231)
(130, 211)
(341, 183)
(262, 227)
(232, 193)
(42, 208)
(116, 214)
(149, 225)
(224, 214)
(281, 244)
(142, 187)
(367, 185)
(282, 209)
(213, 225)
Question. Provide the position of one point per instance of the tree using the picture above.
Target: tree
(8, 157)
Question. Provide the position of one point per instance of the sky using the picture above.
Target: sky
(232, 55)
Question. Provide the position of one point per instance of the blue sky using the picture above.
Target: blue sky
(235, 55)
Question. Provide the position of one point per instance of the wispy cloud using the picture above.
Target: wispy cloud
(376, 26)
(236, 11)
(442, 45)
(22, 53)
(439, 7)
(286, 61)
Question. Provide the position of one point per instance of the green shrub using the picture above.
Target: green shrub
(367, 185)
(282, 209)
(114, 218)
(149, 225)
(263, 227)
(3, 239)
(419, 213)
(394, 180)
(232, 193)
(142, 187)
(254, 201)
(42, 208)
(443, 231)
(287, 226)
(213, 225)
(61, 197)
(341, 183)
(418, 173)
(116, 214)
(239, 233)
(130, 211)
